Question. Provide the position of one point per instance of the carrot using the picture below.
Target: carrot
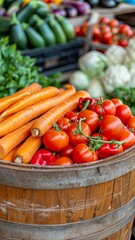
(11, 140)
(43, 123)
(20, 118)
(9, 156)
(27, 150)
(27, 101)
(3, 118)
(9, 100)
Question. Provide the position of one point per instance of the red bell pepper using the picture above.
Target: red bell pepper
(43, 157)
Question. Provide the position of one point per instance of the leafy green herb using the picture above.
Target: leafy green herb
(18, 71)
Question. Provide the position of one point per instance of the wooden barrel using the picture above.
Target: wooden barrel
(81, 202)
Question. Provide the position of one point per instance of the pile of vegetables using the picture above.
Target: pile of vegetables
(111, 74)
(18, 71)
(71, 8)
(51, 126)
(33, 26)
(111, 31)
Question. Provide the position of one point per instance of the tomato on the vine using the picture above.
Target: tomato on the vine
(76, 138)
(63, 123)
(104, 107)
(91, 118)
(107, 38)
(55, 140)
(123, 112)
(113, 23)
(126, 29)
(96, 33)
(128, 137)
(63, 161)
(111, 127)
(83, 154)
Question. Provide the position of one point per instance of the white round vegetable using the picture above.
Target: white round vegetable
(95, 89)
(93, 64)
(79, 80)
(115, 54)
(115, 76)
(131, 49)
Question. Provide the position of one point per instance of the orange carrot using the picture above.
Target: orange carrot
(9, 156)
(3, 118)
(11, 140)
(9, 100)
(20, 118)
(43, 123)
(27, 150)
(33, 98)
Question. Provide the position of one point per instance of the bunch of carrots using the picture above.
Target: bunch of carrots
(26, 115)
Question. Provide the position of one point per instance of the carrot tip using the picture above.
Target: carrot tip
(18, 160)
(35, 132)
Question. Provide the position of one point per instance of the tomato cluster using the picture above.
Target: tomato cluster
(110, 31)
(97, 129)
(81, 30)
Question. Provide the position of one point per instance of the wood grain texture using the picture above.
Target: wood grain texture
(91, 201)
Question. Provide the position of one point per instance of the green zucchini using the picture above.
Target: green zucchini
(44, 29)
(67, 27)
(58, 31)
(34, 38)
(25, 13)
(41, 11)
(17, 34)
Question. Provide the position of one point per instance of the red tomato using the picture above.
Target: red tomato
(63, 123)
(107, 38)
(123, 42)
(105, 28)
(123, 112)
(71, 115)
(116, 102)
(67, 151)
(111, 127)
(131, 124)
(76, 138)
(55, 141)
(105, 107)
(63, 161)
(96, 33)
(114, 30)
(83, 154)
(104, 20)
(113, 23)
(127, 136)
(91, 118)
(126, 29)
(77, 30)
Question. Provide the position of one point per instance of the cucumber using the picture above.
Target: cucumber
(44, 29)
(67, 27)
(26, 12)
(43, 10)
(47, 34)
(34, 38)
(18, 37)
(17, 34)
(58, 31)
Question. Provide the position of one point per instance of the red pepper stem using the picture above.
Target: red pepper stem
(86, 104)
